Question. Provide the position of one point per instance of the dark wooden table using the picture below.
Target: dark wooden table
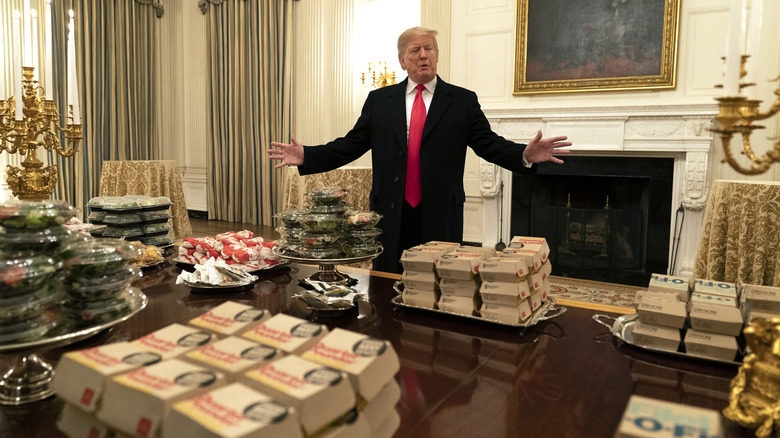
(565, 377)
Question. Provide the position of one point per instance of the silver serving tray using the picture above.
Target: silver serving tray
(313, 261)
(137, 303)
(547, 310)
(622, 328)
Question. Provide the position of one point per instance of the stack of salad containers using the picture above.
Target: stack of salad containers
(328, 228)
(132, 217)
(97, 275)
(31, 298)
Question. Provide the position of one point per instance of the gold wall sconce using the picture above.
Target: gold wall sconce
(378, 76)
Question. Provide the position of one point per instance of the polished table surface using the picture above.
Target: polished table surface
(564, 377)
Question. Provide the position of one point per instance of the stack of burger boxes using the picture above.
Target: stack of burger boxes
(662, 312)
(421, 282)
(761, 302)
(516, 282)
(460, 280)
(246, 374)
(715, 320)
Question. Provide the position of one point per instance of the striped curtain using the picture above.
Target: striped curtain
(116, 67)
(250, 75)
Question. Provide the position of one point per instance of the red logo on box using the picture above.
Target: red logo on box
(144, 427)
(87, 396)
(93, 433)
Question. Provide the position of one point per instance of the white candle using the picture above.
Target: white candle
(17, 68)
(27, 35)
(753, 45)
(34, 41)
(734, 46)
(48, 70)
(73, 89)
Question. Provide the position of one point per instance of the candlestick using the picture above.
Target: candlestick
(734, 47)
(753, 45)
(34, 40)
(18, 64)
(48, 70)
(73, 89)
(27, 29)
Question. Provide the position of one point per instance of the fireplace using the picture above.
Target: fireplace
(649, 138)
(604, 218)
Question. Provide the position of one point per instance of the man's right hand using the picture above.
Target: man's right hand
(290, 154)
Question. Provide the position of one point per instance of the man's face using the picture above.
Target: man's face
(420, 59)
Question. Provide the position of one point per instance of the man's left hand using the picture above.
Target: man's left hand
(539, 149)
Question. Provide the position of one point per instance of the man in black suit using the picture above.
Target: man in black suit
(453, 120)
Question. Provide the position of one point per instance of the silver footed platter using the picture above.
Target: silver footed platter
(327, 272)
(28, 379)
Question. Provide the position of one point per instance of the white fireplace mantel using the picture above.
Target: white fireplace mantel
(682, 132)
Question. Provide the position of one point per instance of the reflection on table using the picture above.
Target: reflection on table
(741, 234)
(564, 377)
(152, 178)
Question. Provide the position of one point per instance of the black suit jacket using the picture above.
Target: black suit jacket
(454, 121)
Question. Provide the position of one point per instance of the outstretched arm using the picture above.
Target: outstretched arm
(539, 150)
(289, 154)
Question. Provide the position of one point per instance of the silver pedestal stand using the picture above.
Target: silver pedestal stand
(29, 378)
(327, 272)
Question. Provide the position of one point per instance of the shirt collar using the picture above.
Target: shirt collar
(430, 86)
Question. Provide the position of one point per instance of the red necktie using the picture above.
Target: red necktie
(416, 123)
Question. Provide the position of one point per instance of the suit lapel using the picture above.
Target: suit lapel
(396, 110)
(442, 98)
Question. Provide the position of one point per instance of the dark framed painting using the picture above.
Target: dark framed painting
(595, 45)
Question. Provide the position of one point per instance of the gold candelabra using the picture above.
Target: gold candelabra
(736, 115)
(379, 77)
(37, 128)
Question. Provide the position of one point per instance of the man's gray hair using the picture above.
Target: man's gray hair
(410, 33)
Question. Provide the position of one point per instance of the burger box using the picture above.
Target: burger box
(351, 424)
(423, 257)
(503, 269)
(320, 394)
(713, 318)
(532, 258)
(232, 356)
(656, 336)
(235, 411)
(419, 298)
(711, 299)
(752, 313)
(175, 340)
(230, 318)
(449, 245)
(506, 314)
(421, 280)
(718, 288)
(389, 425)
(369, 362)
(139, 401)
(668, 283)
(538, 297)
(459, 265)
(645, 417)
(508, 294)
(486, 251)
(536, 279)
(537, 245)
(289, 334)
(765, 298)
(376, 410)
(81, 376)
(417, 336)
(660, 295)
(459, 288)
(662, 312)
(456, 304)
(710, 345)
(75, 423)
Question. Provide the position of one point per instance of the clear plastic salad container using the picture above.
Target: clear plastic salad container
(97, 257)
(25, 272)
(326, 196)
(291, 218)
(321, 223)
(38, 240)
(33, 215)
(22, 308)
(360, 235)
(356, 219)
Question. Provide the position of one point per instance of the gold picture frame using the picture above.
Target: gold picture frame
(565, 46)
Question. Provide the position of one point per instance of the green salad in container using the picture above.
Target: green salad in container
(362, 249)
(97, 257)
(103, 287)
(291, 218)
(22, 308)
(321, 223)
(22, 273)
(356, 219)
(34, 240)
(326, 196)
(34, 215)
(101, 311)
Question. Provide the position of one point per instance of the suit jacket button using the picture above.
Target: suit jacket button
(392, 206)
(400, 153)
(395, 179)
